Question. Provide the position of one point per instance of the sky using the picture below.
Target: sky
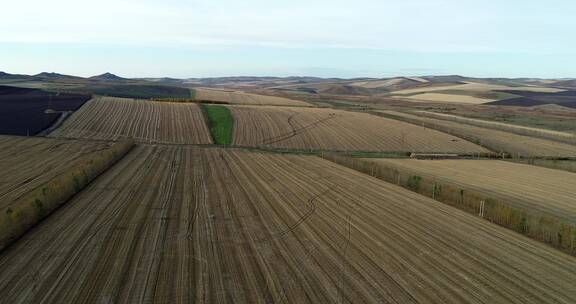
(325, 38)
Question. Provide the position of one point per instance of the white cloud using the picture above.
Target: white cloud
(415, 25)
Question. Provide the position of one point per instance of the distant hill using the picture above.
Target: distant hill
(56, 76)
(390, 84)
(107, 77)
(447, 78)
(345, 90)
(6, 76)
(571, 83)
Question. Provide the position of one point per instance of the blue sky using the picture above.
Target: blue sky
(183, 38)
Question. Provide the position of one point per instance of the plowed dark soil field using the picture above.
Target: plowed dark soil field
(23, 111)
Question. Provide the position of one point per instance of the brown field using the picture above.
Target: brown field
(28, 162)
(181, 225)
(495, 140)
(522, 130)
(479, 87)
(329, 129)
(236, 97)
(449, 98)
(466, 93)
(106, 118)
(39, 175)
(548, 191)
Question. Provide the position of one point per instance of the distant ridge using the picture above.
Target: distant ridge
(51, 75)
(107, 77)
(4, 75)
(571, 83)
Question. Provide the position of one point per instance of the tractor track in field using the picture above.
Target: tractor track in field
(333, 129)
(172, 224)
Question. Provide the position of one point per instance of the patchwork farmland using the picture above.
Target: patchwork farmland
(560, 136)
(495, 140)
(330, 129)
(241, 198)
(181, 225)
(106, 118)
(237, 97)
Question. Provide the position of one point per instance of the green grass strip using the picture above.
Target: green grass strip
(192, 94)
(221, 123)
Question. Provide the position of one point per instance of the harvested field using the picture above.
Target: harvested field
(470, 93)
(441, 97)
(566, 165)
(108, 118)
(28, 162)
(236, 97)
(29, 111)
(532, 188)
(178, 225)
(38, 175)
(329, 129)
(479, 87)
(560, 136)
(495, 140)
(549, 117)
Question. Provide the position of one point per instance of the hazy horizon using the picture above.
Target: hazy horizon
(365, 38)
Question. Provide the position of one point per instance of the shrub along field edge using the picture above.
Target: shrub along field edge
(30, 209)
(544, 228)
(221, 123)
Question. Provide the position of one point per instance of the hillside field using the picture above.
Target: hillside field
(237, 97)
(330, 129)
(496, 140)
(110, 118)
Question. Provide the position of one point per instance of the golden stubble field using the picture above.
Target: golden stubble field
(495, 140)
(182, 225)
(242, 98)
(330, 129)
(531, 188)
(28, 162)
(110, 118)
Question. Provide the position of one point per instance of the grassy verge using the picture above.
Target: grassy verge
(558, 164)
(221, 123)
(33, 207)
(539, 226)
(193, 94)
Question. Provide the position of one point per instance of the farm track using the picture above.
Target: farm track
(329, 129)
(495, 140)
(241, 98)
(28, 162)
(107, 118)
(182, 225)
(552, 192)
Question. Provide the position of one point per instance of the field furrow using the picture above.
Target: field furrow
(529, 187)
(496, 140)
(180, 225)
(329, 129)
(105, 118)
(29, 162)
(241, 98)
